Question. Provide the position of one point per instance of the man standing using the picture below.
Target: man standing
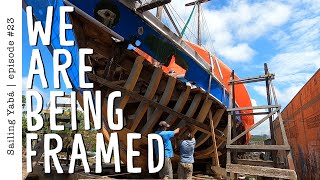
(166, 172)
(185, 167)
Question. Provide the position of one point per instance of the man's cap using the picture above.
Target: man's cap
(164, 124)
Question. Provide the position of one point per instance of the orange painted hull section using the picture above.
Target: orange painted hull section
(241, 94)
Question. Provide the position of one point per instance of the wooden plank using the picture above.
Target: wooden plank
(254, 126)
(253, 107)
(259, 147)
(179, 105)
(204, 153)
(192, 108)
(147, 128)
(252, 79)
(202, 113)
(152, 4)
(130, 84)
(101, 49)
(202, 139)
(262, 171)
(216, 119)
(252, 114)
(150, 92)
(255, 162)
(214, 143)
(194, 105)
(133, 95)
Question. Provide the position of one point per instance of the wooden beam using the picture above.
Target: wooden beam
(130, 84)
(202, 127)
(204, 111)
(179, 105)
(216, 119)
(193, 107)
(253, 107)
(150, 92)
(166, 96)
(252, 79)
(215, 155)
(252, 114)
(262, 171)
(254, 126)
(259, 147)
(255, 162)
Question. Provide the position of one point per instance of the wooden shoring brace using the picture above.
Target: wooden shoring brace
(283, 133)
(216, 119)
(179, 105)
(150, 92)
(229, 126)
(166, 96)
(254, 126)
(215, 161)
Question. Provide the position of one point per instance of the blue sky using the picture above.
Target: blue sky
(245, 34)
(47, 61)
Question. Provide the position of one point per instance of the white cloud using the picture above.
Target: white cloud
(283, 95)
(240, 52)
(230, 29)
(295, 67)
(299, 50)
(262, 128)
(291, 26)
(35, 88)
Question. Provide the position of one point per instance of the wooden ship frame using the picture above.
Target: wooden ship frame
(150, 95)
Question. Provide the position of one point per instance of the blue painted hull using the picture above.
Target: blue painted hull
(127, 25)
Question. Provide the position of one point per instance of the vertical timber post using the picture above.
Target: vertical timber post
(273, 153)
(229, 123)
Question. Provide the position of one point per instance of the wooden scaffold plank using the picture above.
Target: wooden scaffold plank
(262, 171)
(214, 143)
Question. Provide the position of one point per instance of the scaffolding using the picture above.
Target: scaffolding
(257, 168)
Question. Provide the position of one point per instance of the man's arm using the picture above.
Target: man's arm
(176, 131)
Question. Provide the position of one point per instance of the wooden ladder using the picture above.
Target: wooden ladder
(256, 168)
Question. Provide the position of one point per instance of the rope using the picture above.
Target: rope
(182, 21)
(185, 26)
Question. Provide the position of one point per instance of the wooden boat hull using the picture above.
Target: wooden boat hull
(149, 94)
